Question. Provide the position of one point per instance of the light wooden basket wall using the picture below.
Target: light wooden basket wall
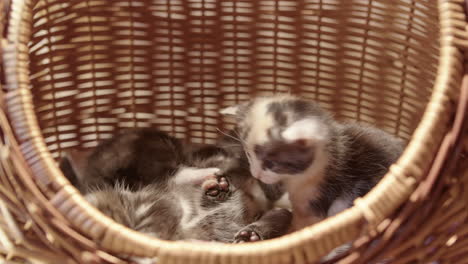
(74, 72)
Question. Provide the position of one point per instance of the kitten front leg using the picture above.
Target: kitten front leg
(308, 206)
(194, 176)
(305, 215)
(210, 180)
(273, 223)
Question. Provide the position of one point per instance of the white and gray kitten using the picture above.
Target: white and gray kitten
(147, 181)
(324, 164)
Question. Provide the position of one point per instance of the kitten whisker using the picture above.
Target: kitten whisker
(239, 137)
(227, 135)
(237, 133)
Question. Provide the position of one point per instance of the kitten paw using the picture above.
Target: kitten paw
(246, 235)
(216, 188)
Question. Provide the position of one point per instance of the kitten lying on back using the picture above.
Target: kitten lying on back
(324, 164)
(146, 180)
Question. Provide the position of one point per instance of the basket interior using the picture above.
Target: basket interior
(98, 66)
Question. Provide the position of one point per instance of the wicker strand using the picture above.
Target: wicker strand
(76, 71)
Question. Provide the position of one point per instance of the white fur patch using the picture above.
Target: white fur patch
(255, 167)
(193, 175)
(268, 177)
(260, 121)
(259, 195)
(187, 208)
(284, 202)
(309, 129)
(303, 187)
(142, 209)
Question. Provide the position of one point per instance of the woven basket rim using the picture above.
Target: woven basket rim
(368, 209)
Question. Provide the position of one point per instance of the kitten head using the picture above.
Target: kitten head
(283, 136)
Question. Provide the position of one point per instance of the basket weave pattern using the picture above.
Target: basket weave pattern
(75, 72)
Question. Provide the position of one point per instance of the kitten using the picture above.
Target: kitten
(146, 181)
(229, 157)
(325, 165)
(132, 156)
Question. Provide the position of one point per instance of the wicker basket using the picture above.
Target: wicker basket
(74, 72)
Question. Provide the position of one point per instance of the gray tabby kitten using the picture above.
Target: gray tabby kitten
(145, 180)
(325, 165)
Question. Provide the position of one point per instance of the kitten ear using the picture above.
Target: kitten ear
(234, 110)
(230, 110)
(306, 131)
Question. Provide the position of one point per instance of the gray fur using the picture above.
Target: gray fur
(359, 157)
(132, 179)
(132, 157)
(158, 212)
